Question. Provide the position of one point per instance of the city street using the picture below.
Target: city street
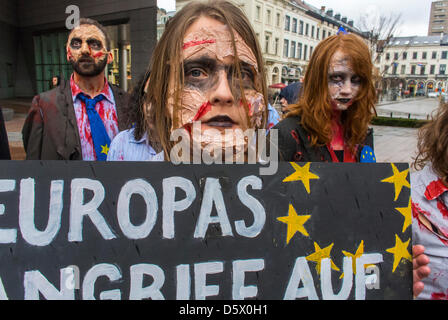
(417, 108)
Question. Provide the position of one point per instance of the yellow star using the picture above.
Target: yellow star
(303, 174)
(407, 214)
(295, 223)
(400, 251)
(399, 179)
(105, 149)
(320, 254)
(358, 254)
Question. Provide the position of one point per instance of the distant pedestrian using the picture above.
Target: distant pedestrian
(289, 95)
(4, 144)
(55, 81)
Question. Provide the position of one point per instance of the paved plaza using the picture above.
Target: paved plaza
(392, 144)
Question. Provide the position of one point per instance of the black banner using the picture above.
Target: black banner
(122, 230)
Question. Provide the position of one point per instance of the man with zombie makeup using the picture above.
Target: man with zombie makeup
(206, 80)
(78, 119)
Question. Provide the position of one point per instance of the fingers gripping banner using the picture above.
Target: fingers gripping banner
(84, 230)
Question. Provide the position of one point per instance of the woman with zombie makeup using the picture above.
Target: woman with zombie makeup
(429, 195)
(330, 122)
(206, 78)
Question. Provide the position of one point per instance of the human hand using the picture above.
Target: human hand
(420, 268)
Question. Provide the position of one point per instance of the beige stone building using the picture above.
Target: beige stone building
(288, 32)
(438, 19)
(415, 64)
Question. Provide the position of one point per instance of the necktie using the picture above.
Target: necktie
(101, 140)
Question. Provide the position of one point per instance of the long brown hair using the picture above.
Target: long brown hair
(432, 144)
(314, 106)
(166, 64)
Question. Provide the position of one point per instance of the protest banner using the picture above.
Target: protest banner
(125, 230)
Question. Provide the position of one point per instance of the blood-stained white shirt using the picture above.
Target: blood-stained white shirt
(106, 110)
(430, 199)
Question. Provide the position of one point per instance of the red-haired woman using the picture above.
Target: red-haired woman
(330, 121)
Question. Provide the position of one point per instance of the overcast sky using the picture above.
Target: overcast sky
(414, 13)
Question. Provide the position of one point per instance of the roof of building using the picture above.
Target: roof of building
(439, 40)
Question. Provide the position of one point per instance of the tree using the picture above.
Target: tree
(380, 30)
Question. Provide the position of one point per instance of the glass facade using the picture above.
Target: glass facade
(50, 59)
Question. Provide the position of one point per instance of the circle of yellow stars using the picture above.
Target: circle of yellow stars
(295, 223)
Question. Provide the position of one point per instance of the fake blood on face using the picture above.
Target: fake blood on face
(206, 107)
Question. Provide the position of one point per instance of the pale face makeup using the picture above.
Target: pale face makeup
(343, 82)
(211, 91)
(86, 48)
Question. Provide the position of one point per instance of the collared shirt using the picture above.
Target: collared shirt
(107, 112)
(124, 147)
(429, 199)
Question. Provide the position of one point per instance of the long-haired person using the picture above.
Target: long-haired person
(429, 192)
(331, 120)
(206, 73)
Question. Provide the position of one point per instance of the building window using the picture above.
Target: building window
(276, 46)
(294, 25)
(299, 51)
(266, 45)
(388, 56)
(307, 26)
(258, 13)
(422, 70)
(414, 55)
(386, 69)
(318, 33)
(293, 49)
(312, 31)
(287, 23)
(403, 69)
(444, 54)
(394, 68)
(305, 52)
(268, 16)
(300, 27)
(442, 69)
(285, 48)
(434, 54)
(413, 69)
(277, 22)
(396, 56)
(405, 55)
(323, 34)
(432, 69)
(424, 55)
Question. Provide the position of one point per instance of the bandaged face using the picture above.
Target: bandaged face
(212, 93)
(343, 82)
(87, 51)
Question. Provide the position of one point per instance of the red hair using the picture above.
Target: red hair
(314, 106)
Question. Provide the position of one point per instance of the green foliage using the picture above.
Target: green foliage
(398, 122)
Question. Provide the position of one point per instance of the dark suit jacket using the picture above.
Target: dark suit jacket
(50, 131)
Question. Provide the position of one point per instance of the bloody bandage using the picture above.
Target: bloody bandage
(197, 43)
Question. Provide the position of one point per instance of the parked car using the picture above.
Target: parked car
(420, 92)
(433, 94)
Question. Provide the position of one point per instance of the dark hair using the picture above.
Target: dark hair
(91, 22)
